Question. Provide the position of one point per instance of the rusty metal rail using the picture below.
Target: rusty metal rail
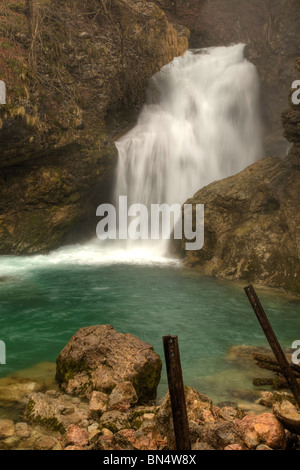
(273, 342)
(177, 395)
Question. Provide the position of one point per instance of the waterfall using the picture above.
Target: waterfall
(200, 123)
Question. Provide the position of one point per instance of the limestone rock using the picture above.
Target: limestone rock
(259, 209)
(56, 153)
(234, 447)
(98, 404)
(129, 439)
(123, 397)
(199, 408)
(114, 421)
(7, 428)
(55, 411)
(76, 436)
(98, 358)
(288, 415)
(45, 443)
(263, 429)
(22, 430)
(222, 434)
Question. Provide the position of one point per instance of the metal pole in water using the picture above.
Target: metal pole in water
(274, 343)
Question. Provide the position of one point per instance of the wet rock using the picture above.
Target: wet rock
(263, 429)
(243, 208)
(98, 404)
(99, 358)
(268, 399)
(94, 436)
(22, 430)
(114, 421)
(107, 433)
(74, 448)
(129, 439)
(263, 447)
(234, 447)
(56, 152)
(55, 411)
(14, 390)
(199, 410)
(222, 434)
(229, 413)
(45, 443)
(123, 397)
(9, 443)
(7, 428)
(202, 446)
(288, 415)
(76, 436)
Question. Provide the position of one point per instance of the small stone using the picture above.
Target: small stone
(98, 404)
(45, 443)
(202, 446)
(149, 416)
(22, 430)
(7, 428)
(76, 436)
(84, 35)
(74, 448)
(114, 421)
(94, 436)
(92, 427)
(123, 396)
(263, 447)
(107, 433)
(52, 393)
(11, 442)
(234, 447)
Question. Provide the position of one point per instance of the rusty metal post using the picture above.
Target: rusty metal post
(273, 341)
(177, 395)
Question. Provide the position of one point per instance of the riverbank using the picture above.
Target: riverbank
(96, 403)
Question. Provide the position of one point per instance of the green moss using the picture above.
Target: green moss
(52, 422)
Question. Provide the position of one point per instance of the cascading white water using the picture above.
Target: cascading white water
(200, 124)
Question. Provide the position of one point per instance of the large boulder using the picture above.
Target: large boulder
(263, 429)
(99, 358)
(288, 415)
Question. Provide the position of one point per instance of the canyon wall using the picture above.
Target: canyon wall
(66, 65)
(252, 219)
(271, 30)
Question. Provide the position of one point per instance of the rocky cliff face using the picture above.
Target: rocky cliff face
(252, 220)
(66, 64)
(270, 28)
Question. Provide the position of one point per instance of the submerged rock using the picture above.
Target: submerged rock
(99, 358)
(288, 415)
(7, 428)
(55, 410)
